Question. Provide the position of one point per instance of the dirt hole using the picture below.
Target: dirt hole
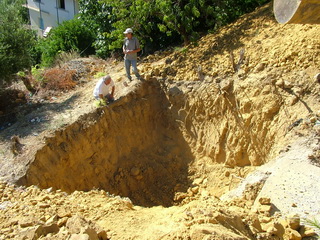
(143, 145)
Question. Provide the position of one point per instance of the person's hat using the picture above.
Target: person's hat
(128, 30)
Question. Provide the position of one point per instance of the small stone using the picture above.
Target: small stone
(79, 237)
(135, 171)
(317, 77)
(44, 205)
(265, 208)
(292, 235)
(272, 230)
(287, 84)
(197, 181)
(294, 221)
(265, 219)
(309, 233)
(313, 119)
(50, 228)
(260, 67)
(63, 212)
(265, 201)
(306, 231)
(102, 234)
(26, 222)
(195, 190)
(280, 83)
(52, 219)
(91, 232)
(62, 221)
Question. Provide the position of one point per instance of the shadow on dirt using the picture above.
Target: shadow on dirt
(33, 118)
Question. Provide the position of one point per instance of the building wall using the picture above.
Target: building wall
(50, 12)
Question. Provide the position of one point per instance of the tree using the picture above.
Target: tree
(154, 20)
(158, 23)
(17, 42)
(143, 17)
(97, 16)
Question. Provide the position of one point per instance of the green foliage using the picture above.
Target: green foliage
(143, 18)
(99, 74)
(97, 16)
(70, 36)
(158, 23)
(16, 41)
(37, 73)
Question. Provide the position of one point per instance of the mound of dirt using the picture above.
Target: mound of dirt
(161, 161)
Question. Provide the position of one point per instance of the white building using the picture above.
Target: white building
(46, 14)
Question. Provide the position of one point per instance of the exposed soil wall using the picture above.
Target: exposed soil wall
(130, 148)
(227, 123)
(149, 144)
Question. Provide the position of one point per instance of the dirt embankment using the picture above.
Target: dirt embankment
(173, 147)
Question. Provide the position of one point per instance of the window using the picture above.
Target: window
(62, 4)
(41, 25)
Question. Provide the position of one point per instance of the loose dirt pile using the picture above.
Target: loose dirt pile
(159, 163)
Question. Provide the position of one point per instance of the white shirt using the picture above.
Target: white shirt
(102, 88)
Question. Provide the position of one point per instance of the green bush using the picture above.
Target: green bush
(70, 36)
(16, 41)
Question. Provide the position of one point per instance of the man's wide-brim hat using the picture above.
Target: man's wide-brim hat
(128, 30)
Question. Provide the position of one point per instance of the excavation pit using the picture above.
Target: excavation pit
(150, 144)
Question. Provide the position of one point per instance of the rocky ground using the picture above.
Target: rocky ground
(221, 141)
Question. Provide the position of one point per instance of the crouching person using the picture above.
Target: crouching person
(104, 90)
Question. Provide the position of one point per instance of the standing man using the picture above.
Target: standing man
(130, 48)
(104, 89)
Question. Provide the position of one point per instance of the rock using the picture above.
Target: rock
(38, 231)
(287, 84)
(197, 181)
(317, 77)
(291, 234)
(195, 190)
(79, 237)
(102, 235)
(313, 119)
(306, 231)
(63, 212)
(280, 83)
(293, 100)
(30, 232)
(265, 201)
(260, 67)
(90, 232)
(299, 91)
(135, 171)
(62, 221)
(156, 72)
(266, 226)
(147, 77)
(75, 224)
(26, 222)
(50, 228)
(265, 209)
(294, 221)
(226, 85)
(265, 219)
